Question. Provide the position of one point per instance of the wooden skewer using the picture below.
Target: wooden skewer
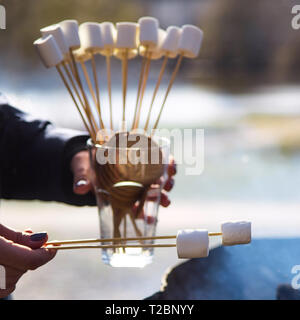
(168, 89)
(87, 105)
(211, 234)
(124, 82)
(139, 90)
(116, 246)
(70, 77)
(147, 69)
(108, 68)
(161, 73)
(75, 102)
(89, 83)
(96, 82)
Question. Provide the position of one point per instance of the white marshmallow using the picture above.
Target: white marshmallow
(148, 31)
(236, 233)
(156, 52)
(192, 243)
(56, 31)
(170, 44)
(49, 51)
(190, 41)
(91, 37)
(109, 37)
(70, 31)
(127, 35)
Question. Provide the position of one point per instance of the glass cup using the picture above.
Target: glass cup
(128, 180)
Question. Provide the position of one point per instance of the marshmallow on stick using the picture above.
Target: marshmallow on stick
(56, 31)
(188, 46)
(170, 45)
(190, 41)
(109, 38)
(70, 30)
(127, 40)
(90, 35)
(49, 51)
(236, 233)
(192, 243)
(148, 34)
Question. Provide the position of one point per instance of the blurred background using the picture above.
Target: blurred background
(243, 90)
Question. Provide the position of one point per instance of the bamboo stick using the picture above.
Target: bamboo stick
(116, 246)
(139, 91)
(146, 75)
(161, 73)
(124, 82)
(75, 102)
(87, 105)
(168, 89)
(108, 68)
(96, 82)
(211, 234)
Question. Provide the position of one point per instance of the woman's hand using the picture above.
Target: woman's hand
(20, 252)
(80, 166)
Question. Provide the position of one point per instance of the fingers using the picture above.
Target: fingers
(26, 238)
(169, 184)
(80, 167)
(172, 168)
(164, 200)
(22, 257)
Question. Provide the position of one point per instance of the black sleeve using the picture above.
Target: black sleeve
(35, 159)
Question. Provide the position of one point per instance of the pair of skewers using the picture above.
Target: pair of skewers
(190, 243)
(65, 46)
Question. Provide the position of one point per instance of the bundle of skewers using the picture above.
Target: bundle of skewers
(69, 48)
(190, 243)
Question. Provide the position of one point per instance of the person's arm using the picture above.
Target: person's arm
(35, 159)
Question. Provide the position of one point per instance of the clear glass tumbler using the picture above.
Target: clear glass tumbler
(128, 180)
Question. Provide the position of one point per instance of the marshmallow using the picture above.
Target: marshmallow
(127, 35)
(82, 55)
(170, 44)
(236, 233)
(91, 37)
(109, 35)
(190, 41)
(49, 51)
(70, 31)
(156, 52)
(192, 243)
(148, 31)
(56, 31)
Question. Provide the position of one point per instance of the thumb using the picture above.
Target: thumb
(80, 166)
(23, 258)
